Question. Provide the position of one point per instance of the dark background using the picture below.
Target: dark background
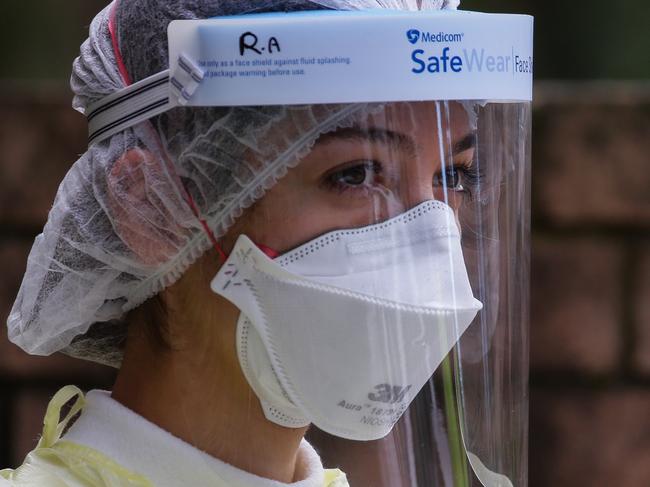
(578, 40)
(590, 330)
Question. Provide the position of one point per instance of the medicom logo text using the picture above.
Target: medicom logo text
(415, 35)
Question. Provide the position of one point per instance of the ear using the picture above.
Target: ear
(137, 187)
(130, 160)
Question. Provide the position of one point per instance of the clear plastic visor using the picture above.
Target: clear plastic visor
(395, 318)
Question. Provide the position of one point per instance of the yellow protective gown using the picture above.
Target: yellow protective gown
(60, 463)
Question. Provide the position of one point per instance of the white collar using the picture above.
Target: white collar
(143, 447)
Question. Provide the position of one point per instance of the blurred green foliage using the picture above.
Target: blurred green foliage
(584, 39)
(588, 39)
(39, 39)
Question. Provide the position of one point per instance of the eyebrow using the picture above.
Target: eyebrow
(399, 141)
(466, 143)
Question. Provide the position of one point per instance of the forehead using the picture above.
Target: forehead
(412, 116)
(406, 125)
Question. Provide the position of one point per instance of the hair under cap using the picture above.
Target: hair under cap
(118, 234)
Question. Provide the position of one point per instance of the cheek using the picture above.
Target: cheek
(452, 198)
(285, 219)
(311, 220)
(285, 230)
(279, 219)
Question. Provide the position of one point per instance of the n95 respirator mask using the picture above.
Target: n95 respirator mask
(344, 331)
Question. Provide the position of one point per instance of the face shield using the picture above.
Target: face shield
(395, 326)
(467, 423)
(381, 280)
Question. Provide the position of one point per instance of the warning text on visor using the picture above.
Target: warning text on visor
(312, 58)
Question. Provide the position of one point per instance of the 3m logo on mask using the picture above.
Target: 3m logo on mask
(389, 394)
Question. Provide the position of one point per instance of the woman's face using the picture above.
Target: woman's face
(367, 173)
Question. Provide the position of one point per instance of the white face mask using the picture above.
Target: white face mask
(345, 330)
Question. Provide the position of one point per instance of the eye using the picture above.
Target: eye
(450, 179)
(353, 175)
(459, 178)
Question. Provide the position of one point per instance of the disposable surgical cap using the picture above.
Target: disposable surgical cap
(118, 234)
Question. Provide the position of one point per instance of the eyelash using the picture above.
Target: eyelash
(470, 177)
(333, 180)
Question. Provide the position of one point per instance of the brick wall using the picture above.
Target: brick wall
(590, 336)
(39, 136)
(590, 303)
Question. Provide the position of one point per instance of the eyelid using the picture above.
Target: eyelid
(331, 181)
(351, 164)
(471, 176)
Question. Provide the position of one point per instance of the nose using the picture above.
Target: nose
(414, 188)
(422, 181)
(418, 188)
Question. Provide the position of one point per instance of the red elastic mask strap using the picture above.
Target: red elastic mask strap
(272, 254)
(206, 228)
(268, 251)
(112, 28)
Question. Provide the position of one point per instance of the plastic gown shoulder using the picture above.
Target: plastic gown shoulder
(90, 469)
(60, 463)
(43, 469)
